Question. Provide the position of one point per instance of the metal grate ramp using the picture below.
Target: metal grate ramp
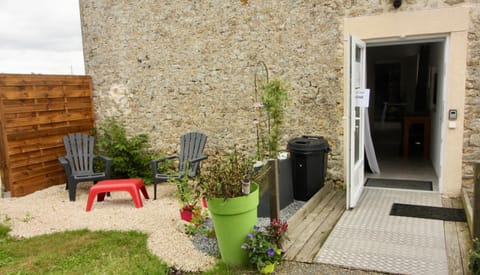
(367, 237)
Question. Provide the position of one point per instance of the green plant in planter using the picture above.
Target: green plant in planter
(185, 192)
(131, 155)
(188, 198)
(263, 246)
(269, 107)
(233, 212)
(274, 98)
(271, 100)
(197, 225)
(224, 175)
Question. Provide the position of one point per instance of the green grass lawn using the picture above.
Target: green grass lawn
(85, 252)
(79, 252)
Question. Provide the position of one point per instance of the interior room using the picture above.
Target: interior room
(405, 113)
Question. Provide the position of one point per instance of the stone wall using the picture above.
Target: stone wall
(168, 67)
(471, 147)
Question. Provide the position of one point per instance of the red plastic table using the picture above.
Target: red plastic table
(133, 186)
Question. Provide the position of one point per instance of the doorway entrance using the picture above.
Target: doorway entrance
(406, 81)
(442, 40)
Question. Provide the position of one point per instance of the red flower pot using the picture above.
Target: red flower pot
(186, 213)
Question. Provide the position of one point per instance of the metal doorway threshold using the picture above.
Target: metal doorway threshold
(367, 237)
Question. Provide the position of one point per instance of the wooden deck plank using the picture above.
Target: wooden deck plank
(317, 221)
(451, 243)
(297, 229)
(311, 248)
(468, 209)
(457, 240)
(306, 229)
(464, 239)
(309, 205)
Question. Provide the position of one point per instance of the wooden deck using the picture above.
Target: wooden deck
(457, 240)
(311, 225)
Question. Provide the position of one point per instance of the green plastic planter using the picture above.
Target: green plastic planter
(233, 219)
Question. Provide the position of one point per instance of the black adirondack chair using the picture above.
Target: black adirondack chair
(189, 157)
(78, 162)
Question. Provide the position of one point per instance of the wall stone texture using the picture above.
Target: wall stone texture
(471, 143)
(169, 67)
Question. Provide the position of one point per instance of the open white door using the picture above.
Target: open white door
(356, 122)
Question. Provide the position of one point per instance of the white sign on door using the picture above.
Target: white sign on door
(362, 97)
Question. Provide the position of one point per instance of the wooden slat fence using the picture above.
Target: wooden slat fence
(36, 111)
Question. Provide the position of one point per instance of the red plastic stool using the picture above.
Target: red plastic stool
(129, 185)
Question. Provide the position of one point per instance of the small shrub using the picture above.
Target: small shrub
(474, 264)
(185, 192)
(223, 178)
(274, 99)
(197, 225)
(263, 246)
(130, 155)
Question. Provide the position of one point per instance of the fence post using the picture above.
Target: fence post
(274, 195)
(476, 200)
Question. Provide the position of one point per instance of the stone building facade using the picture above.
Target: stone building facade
(168, 67)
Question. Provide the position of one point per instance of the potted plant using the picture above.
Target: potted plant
(187, 198)
(233, 212)
(274, 98)
(263, 246)
(270, 113)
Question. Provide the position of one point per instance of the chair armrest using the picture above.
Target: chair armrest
(63, 161)
(195, 165)
(108, 164)
(104, 158)
(155, 162)
(66, 166)
(203, 157)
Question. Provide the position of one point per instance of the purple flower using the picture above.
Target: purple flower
(244, 246)
(256, 228)
(271, 252)
(249, 236)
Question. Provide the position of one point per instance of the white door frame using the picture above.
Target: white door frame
(356, 122)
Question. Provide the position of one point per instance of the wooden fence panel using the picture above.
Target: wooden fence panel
(36, 111)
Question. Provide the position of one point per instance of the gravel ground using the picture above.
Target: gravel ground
(49, 211)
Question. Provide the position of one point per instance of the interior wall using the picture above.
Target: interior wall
(437, 57)
(410, 71)
(407, 56)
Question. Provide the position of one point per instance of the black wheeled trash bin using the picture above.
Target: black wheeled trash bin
(309, 156)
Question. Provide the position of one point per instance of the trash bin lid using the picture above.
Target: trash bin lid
(308, 144)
